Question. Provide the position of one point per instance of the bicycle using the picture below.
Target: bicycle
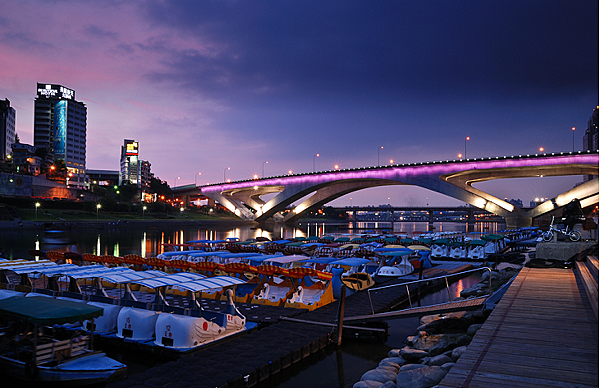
(573, 235)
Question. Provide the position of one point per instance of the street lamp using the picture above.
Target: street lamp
(315, 156)
(263, 168)
(144, 212)
(573, 130)
(196, 179)
(98, 206)
(380, 148)
(466, 139)
(541, 149)
(224, 171)
(336, 167)
(37, 204)
(180, 212)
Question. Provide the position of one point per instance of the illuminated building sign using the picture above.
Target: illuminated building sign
(55, 91)
(131, 148)
(60, 129)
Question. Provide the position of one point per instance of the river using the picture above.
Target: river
(341, 368)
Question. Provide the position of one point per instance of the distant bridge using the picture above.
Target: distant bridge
(453, 178)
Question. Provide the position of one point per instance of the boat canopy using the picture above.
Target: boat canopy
(477, 243)
(180, 253)
(419, 248)
(397, 253)
(391, 249)
(320, 260)
(48, 311)
(350, 261)
(128, 277)
(17, 267)
(207, 254)
(286, 259)
(169, 280)
(99, 272)
(210, 283)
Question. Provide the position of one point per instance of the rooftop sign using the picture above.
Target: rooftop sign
(55, 91)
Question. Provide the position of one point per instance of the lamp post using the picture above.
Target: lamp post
(380, 148)
(224, 171)
(573, 130)
(181, 212)
(466, 139)
(98, 206)
(263, 168)
(144, 212)
(314, 156)
(37, 204)
(196, 179)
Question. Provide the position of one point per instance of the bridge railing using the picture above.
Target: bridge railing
(445, 277)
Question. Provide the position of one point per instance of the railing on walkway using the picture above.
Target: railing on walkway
(445, 277)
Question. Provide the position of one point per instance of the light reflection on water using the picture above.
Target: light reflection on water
(150, 241)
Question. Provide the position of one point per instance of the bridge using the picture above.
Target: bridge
(453, 178)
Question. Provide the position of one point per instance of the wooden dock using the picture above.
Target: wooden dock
(543, 333)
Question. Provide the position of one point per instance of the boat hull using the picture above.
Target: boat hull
(92, 369)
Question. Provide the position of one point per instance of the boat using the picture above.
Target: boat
(396, 264)
(39, 358)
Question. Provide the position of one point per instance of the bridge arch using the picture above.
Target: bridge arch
(452, 178)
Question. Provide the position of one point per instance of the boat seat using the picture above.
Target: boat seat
(101, 299)
(60, 350)
(134, 303)
(73, 295)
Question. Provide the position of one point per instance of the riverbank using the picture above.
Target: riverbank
(118, 223)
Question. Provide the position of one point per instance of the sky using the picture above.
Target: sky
(204, 86)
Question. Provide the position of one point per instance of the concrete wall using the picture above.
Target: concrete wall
(561, 250)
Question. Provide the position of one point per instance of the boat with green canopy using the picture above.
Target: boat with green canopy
(29, 354)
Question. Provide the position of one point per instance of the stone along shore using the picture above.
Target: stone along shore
(440, 340)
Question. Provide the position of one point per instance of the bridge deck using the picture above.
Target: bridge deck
(543, 333)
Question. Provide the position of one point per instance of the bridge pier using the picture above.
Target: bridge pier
(518, 221)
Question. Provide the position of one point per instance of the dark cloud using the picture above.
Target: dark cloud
(388, 49)
(99, 32)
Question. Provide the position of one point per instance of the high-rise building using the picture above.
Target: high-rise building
(145, 174)
(59, 126)
(590, 139)
(8, 117)
(130, 168)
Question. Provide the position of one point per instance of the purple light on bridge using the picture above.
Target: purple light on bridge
(398, 173)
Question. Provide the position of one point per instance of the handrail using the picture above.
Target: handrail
(445, 277)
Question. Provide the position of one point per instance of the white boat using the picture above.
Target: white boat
(44, 359)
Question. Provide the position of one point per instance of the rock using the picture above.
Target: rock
(411, 367)
(474, 328)
(439, 360)
(409, 341)
(394, 353)
(447, 366)
(429, 318)
(368, 384)
(392, 364)
(381, 375)
(436, 344)
(410, 354)
(463, 340)
(389, 368)
(396, 360)
(424, 377)
(457, 352)
(389, 384)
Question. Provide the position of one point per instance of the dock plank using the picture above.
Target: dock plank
(541, 334)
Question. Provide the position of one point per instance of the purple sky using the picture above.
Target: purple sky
(206, 85)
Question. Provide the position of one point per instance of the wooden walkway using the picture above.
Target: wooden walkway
(543, 333)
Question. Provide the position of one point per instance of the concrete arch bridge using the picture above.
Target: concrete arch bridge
(453, 178)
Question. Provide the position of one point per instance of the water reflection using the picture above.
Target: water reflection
(150, 241)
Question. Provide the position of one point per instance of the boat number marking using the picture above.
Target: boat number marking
(128, 323)
(168, 331)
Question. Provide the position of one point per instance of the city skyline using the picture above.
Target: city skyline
(222, 88)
